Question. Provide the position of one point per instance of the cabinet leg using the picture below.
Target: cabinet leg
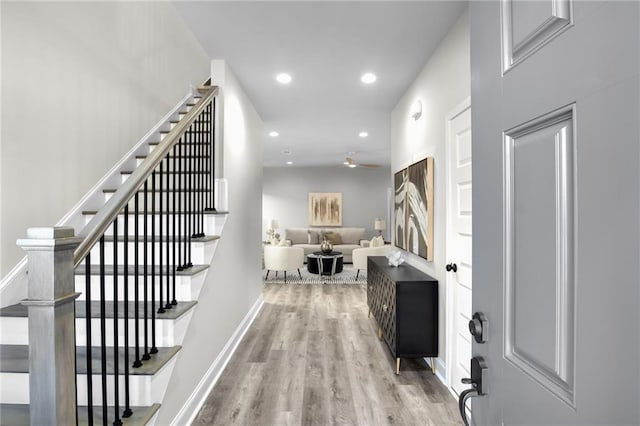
(433, 365)
(379, 333)
(397, 366)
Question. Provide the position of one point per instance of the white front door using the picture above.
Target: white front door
(555, 92)
(459, 240)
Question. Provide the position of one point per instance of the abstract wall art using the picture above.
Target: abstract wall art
(414, 208)
(325, 209)
(399, 212)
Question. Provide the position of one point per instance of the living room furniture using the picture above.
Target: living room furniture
(404, 302)
(379, 225)
(309, 239)
(283, 258)
(325, 263)
(360, 255)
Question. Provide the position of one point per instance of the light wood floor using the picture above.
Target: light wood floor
(312, 358)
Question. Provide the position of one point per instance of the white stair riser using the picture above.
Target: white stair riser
(168, 332)
(193, 198)
(144, 390)
(211, 223)
(203, 182)
(187, 287)
(200, 253)
(183, 164)
(196, 148)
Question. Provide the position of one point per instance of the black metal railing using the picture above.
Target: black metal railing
(176, 183)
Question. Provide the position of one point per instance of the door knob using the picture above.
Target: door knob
(452, 267)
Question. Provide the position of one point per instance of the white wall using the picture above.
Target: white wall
(286, 191)
(82, 82)
(234, 282)
(443, 83)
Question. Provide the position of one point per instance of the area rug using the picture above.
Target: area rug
(347, 276)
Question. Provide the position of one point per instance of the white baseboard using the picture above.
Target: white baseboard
(441, 369)
(192, 406)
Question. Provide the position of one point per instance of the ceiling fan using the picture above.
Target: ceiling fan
(349, 162)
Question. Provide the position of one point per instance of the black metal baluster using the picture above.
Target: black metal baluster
(162, 217)
(136, 274)
(153, 350)
(201, 194)
(127, 409)
(176, 242)
(212, 152)
(116, 369)
(103, 333)
(189, 195)
(176, 193)
(87, 280)
(145, 272)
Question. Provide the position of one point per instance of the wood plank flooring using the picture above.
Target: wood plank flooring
(312, 357)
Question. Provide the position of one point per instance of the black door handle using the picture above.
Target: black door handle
(452, 267)
(477, 382)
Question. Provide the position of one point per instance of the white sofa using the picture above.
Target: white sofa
(360, 256)
(309, 239)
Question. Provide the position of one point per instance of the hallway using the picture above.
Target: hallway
(312, 357)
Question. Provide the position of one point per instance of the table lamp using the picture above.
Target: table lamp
(379, 225)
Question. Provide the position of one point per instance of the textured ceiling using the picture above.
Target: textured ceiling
(326, 47)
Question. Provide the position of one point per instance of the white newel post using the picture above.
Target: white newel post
(52, 384)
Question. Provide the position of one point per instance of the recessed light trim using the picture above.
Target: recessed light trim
(274, 134)
(363, 134)
(289, 163)
(284, 78)
(352, 166)
(368, 78)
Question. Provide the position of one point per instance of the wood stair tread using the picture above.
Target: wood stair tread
(142, 157)
(165, 238)
(164, 172)
(206, 212)
(187, 142)
(141, 191)
(18, 415)
(108, 269)
(20, 311)
(15, 359)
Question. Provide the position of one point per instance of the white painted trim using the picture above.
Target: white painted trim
(96, 190)
(192, 406)
(450, 296)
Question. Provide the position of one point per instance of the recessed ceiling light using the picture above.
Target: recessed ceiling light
(363, 134)
(352, 166)
(289, 162)
(346, 163)
(283, 78)
(274, 134)
(368, 78)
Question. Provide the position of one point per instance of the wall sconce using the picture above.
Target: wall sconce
(416, 110)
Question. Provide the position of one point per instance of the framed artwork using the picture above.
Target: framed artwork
(419, 209)
(325, 209)
(399, 212)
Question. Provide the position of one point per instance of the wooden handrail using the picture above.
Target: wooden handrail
(92, 232)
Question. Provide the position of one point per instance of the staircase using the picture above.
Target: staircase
(138, 267)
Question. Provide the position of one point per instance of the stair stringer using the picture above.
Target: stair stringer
(13, 287)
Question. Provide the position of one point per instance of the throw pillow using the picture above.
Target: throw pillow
(333, 238)
(313, 237)
(283, 243)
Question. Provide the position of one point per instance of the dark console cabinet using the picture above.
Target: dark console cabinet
(404, 302)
